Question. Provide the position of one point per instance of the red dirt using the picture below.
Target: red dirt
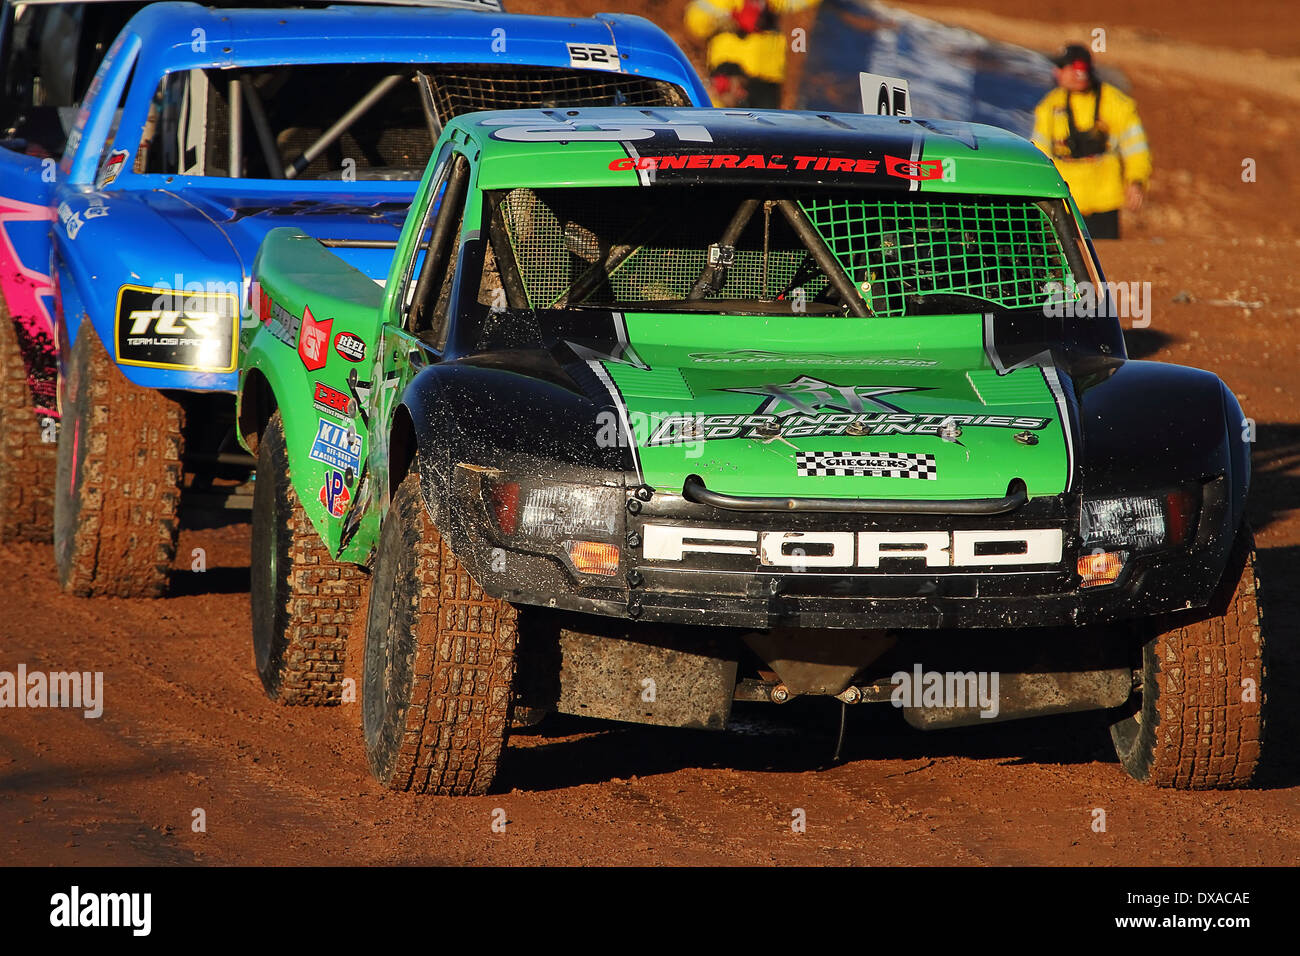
(186, 724)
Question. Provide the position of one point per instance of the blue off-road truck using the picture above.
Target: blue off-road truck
(49, 52)
(202, 130)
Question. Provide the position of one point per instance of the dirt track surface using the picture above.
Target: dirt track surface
(186, 725)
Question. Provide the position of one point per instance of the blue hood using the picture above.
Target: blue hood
(207, 237)
(244, 217)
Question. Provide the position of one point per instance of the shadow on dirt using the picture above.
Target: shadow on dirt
(186, 583)
(1144, 343)
(795, 738)
(201, 518)
(1275, 473)
(45, 778)
(1278, 569)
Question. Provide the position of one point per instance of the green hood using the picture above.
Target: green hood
(821, 407)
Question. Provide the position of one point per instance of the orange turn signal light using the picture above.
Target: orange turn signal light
(1100, 567)
(594, 557)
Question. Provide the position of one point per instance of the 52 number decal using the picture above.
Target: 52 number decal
(593, 56)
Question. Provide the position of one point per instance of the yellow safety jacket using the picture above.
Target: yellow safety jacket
(760, 54)
(1097, 182)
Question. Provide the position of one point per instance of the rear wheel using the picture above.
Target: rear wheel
(118, 481)
(439, 661)
(1198, 721)
(303, 601)
(27, 457)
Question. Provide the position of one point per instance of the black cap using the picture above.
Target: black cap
(1073, 53)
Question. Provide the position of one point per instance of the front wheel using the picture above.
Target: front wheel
(118, 481)
(1198, 721)
(303, 601)
(439, 661)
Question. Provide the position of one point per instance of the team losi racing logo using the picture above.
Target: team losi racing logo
(190, 330)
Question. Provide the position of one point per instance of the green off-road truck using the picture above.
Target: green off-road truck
(661, 409)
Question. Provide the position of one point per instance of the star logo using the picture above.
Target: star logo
(807, 394)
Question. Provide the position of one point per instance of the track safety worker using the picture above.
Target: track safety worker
(1092, 132)
(746, 44)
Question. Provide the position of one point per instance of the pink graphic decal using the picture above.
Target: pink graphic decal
(23, 290)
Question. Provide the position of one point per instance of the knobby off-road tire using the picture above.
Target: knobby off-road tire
(303, 601)
(439, 661)
(118, 482)
(1200, 721)
(27, 461)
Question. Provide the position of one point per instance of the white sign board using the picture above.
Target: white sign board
(885, 95)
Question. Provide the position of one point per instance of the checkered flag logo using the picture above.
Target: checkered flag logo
(869, 464)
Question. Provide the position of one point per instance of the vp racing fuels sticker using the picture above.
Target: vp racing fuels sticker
(334, 494)
(112, 166)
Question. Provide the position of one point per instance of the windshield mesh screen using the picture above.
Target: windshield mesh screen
(592, 247)
(584, 247)
(466, 89)
(1003, 251)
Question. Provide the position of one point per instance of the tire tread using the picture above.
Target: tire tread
(27, 461)
(128, 499)
(1207, 735)
(463, 666)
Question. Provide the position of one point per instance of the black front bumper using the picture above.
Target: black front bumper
(731, 591)
(710, 601)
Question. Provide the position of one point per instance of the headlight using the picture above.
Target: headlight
(580, 522)
(551, 511)
(1114, 528)
(1136, 522)
(1139, 522)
